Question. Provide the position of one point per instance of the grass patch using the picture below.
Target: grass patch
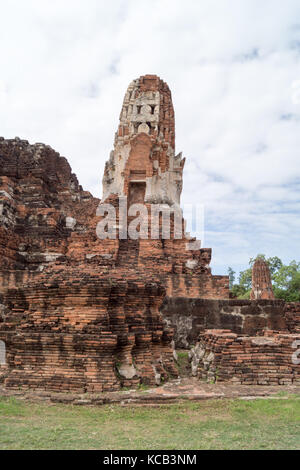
(213, 424)
(143, 387)
(183, 363)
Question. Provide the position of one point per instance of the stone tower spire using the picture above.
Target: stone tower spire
(261, 281)
(143, 165)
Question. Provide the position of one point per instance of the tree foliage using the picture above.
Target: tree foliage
(231, 274)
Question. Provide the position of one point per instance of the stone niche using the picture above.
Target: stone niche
(137, 191)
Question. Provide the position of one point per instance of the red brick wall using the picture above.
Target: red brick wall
(78, 332)
(292, 314)
(260, 360)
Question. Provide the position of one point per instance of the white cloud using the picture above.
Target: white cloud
(232, 67)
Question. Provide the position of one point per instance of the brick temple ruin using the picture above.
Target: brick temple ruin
(87, 314)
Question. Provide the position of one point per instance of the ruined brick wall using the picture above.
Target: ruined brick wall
(83, 314)
(73, 314)
(78, 312)
(85, 333)
(222, 356)
(41, 203)
(292, 315)
(189, 317)
(193, 285)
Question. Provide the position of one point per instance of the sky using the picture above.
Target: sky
(233, 67)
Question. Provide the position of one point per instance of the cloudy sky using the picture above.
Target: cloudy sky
(234, 70)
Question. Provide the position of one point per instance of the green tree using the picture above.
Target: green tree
(240, 292)
(245, 279)
(231, 274)
(286, 282)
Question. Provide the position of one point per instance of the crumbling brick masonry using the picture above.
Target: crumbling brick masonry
(83, 313)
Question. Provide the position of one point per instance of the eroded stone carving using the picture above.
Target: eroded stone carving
(148, 109)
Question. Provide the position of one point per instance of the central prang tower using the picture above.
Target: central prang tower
(144, 168)
(143, 165)
(86, 313)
